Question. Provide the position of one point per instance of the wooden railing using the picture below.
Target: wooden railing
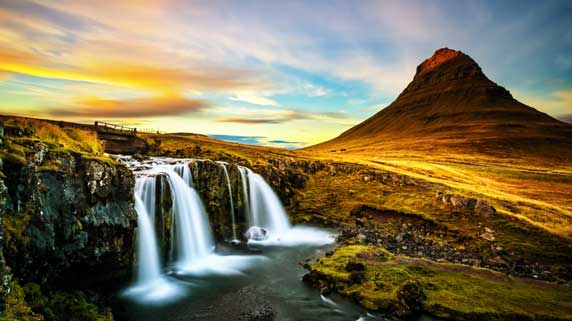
(113, 128)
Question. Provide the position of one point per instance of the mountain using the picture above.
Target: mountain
(452, 104)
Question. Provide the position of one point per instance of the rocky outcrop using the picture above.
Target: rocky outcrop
(68, 220)
(480, 207)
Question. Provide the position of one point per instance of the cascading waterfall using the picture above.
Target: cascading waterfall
(192, 242)
(184, 171)
(232, 214)
(266, 210)
(193, 234)
(246, 197)
(149, 267)
(145, 188)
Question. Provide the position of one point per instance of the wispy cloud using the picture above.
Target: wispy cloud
(133, 108)
(282, 116)
(566, 118)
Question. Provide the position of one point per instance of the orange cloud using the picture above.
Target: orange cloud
(96, 107)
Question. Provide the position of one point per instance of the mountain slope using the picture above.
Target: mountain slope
(451, 103)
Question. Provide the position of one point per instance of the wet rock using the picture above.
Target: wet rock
(76, 223)
(261, 313)
(256, 233)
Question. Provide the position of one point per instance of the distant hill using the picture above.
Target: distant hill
(451, 103)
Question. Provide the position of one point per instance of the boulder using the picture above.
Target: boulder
(484, 209)
(256, 233)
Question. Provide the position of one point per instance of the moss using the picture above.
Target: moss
(15, 159)
(452, 291)
(58, 305)
(17, 309)
(101, 159)
(15, 226)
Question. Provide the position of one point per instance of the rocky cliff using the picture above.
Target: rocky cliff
(67, 219)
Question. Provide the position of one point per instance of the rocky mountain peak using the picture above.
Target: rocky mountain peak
(440, 57)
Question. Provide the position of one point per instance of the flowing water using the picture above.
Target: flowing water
(265, 208)
(201, 284)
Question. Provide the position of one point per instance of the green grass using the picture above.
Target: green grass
(452, 291)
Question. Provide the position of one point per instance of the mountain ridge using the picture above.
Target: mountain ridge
(451, 101)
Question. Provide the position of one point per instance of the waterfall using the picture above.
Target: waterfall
(145, 188)
(184, 171)
(192, 231)
(243, 179)
(233, 220)
(149, 267)
(266, 210)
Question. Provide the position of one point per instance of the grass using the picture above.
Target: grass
(452, 291)
(68, 138)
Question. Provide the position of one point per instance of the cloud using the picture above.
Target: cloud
(260, 141)
(556, 102)
(566, 118)
(255, 99)
(285, 115)
(133, 108)
(315, 91)
(250, 120)
(250, 140)
(278, 141)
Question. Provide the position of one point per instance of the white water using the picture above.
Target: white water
(232, 214)
(266, 211)
(150, 285)
(246, 197)
(193, 234)
(145, 188)
(149, 266)
(192, 242)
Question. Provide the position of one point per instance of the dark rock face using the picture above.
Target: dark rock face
(210, 181)
(70, 224)
(5, 275)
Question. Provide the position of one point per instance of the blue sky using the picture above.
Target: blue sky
(275, 73)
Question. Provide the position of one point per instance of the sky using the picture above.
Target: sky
(277, 73)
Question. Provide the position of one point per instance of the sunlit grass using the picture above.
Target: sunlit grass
(66, 138)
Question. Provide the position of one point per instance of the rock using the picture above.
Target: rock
(256, 233)
(356, 277)
(76, 224)
(463, 202)
(488, 234)
(399, 238)
(484, 209)
(355, 266)
(361, 237)
(409, 299)
(261, 313)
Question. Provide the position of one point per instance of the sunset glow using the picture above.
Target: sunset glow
(281, 74)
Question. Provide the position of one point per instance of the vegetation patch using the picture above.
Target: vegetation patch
(399, 285)
(30, 303)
